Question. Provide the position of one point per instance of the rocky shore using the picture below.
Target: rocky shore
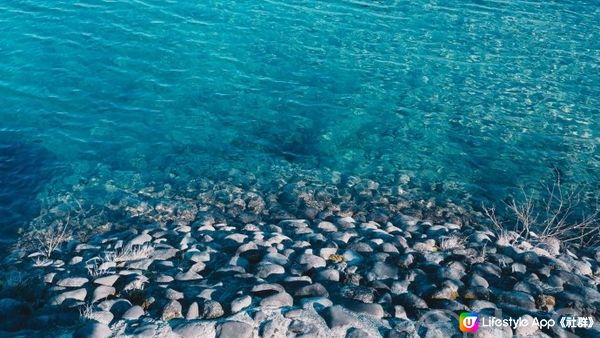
(301, 257)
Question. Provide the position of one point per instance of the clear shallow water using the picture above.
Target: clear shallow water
(475, 97)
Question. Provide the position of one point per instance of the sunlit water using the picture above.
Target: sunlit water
(474, 97)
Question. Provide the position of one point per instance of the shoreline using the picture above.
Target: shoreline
(234, 256)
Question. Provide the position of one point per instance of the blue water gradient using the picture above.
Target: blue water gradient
(470, 96)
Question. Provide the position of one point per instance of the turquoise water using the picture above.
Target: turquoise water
(469, 97)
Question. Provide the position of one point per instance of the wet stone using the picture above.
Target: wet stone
(133, 313)
(361, 293)
(234, 329)
(336, 316)
(210, 310)
(72, 282)
(240, 303)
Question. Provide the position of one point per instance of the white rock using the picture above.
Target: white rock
(72, 282)
(139, 240)
(192, 312)
(133, 313)
(102, 292)
(78, 294)
(108, 280)
(240, 303)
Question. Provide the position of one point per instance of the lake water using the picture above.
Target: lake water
(468, 98)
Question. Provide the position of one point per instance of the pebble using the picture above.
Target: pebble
(211, 310)
(234, 329)
(72, 282)
(133, 313)
(381, 271)
(361, 293)
(103, 292)
(337, 316)
(139, 240)
(171, 311)
(106, 280)
(78, 294)
(277, 300)
(187, 276)
(240, 303)
(193, 311)
(310, 261)
(266, 270)
(372, 309)
(357, 333)
(313, 290)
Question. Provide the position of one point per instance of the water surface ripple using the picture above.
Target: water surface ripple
(475, 96)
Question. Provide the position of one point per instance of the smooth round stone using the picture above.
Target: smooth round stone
(372, 309)
(382, 271)
(277, 300)
(446, 291)
(171, 311)
(49, 277)
(327, 226)
(406, 260)
(332, 275)
(164, 279)
(193, 311)
(239, 238)
(400, 312)
(104, 317)
(211, 310)
(477, 281)
(234, 329)
(240, 303)
(357, 333)
(93, 330)
(133, 313)
(352, 257)
(273, 327)
(517, 298)
(72, 282)
(103, 292)
(361, 293)
(389, 247)
(275, 258)
(316, 303)
(410, 301)
(361, 247)
(337, 316)
(266, 270)
(75, 260)
(479, 305)
(187, 276)
(245, 247)
(106, 280)
(313, 290)
(192, 329)
(78, 295)
(139, 240)
(197, 256)
(173, 294)
(311, 261)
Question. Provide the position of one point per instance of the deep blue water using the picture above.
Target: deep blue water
(470, 96)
